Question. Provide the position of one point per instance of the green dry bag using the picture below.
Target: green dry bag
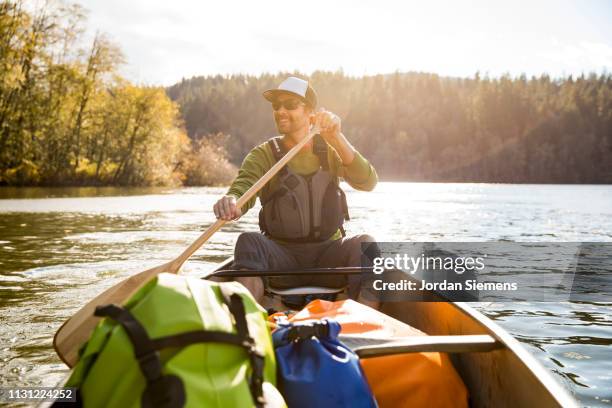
(179, 342)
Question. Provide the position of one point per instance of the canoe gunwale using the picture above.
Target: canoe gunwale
(560, 394)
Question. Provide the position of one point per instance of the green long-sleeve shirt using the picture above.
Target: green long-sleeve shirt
(360, 174)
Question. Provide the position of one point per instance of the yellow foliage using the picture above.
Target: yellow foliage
(26, 173)
(207, 164)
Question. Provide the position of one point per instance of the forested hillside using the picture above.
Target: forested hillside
(418, 126)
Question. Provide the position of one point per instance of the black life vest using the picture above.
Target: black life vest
(304, 208)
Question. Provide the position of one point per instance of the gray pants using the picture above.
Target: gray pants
(258, 252)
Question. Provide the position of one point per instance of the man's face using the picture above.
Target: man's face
(287, 120)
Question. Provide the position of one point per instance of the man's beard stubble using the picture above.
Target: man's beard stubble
(284, 127)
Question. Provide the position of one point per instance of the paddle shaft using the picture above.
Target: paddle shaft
(345, 270)
(76, 330)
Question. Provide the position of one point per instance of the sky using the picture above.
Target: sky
(164, 41)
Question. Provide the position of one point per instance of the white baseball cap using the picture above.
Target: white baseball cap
(296, 86)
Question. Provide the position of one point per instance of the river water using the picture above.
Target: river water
(61, 247)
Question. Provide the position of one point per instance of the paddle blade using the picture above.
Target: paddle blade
(76, 330)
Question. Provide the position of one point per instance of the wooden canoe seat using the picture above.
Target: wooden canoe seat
(305, 290)
(366, 347)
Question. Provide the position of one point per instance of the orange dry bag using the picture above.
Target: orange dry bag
(402, 380)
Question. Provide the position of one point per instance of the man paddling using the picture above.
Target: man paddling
(303, 207)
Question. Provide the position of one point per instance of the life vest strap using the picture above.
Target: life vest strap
(319, 147)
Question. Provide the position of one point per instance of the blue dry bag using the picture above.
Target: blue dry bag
(316, 370)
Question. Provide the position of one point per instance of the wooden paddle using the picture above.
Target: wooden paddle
(76, 330)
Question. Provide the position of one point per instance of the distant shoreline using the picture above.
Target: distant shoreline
(25, 192)
(382, 179)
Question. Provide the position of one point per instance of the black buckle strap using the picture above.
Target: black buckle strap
(236, 307)
(257, 361)
(319, 147)
(164, 391)
(199, 336)
(150, 365)
(307, 331)
(256, 383)
(144, 350)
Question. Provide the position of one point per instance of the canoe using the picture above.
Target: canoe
(496, 369)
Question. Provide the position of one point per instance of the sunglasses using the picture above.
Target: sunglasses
(289, 104)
